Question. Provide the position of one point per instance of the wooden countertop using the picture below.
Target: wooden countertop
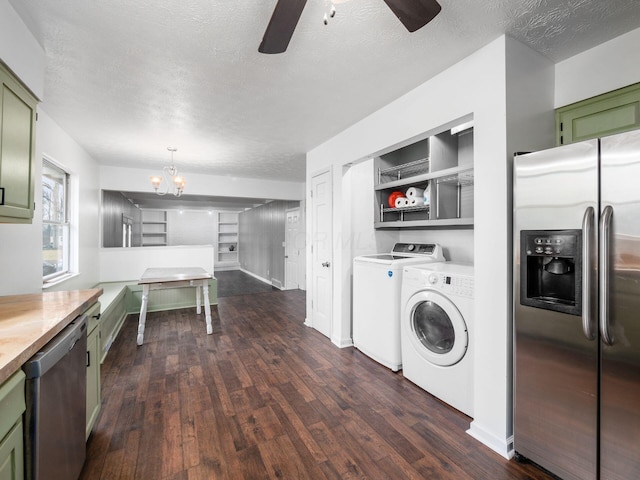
(29, 322)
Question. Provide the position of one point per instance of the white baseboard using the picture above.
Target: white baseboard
(257, 277)
(342, 342)
(502, 446)
(225, 268)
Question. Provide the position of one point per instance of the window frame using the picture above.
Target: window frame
(64, 224)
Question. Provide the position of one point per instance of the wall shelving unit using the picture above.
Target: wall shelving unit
(442, 165)
(227, 247)
(154, 228)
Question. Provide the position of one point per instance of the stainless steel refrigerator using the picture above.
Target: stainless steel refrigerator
(577, 308)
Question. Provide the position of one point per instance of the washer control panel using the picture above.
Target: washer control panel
(422, 248)
(459, 285)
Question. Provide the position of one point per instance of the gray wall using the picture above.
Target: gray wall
(114, 205)
(261, 236)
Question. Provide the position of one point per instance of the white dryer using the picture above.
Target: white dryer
(377, 280)
(437, 331)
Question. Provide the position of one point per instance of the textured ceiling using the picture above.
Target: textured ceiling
(128, 78)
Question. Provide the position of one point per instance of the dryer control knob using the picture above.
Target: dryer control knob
(433, 279)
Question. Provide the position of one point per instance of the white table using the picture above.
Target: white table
(160, 278)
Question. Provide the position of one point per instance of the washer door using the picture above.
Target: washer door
(436, 328)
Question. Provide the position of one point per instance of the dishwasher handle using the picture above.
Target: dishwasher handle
(56, 349)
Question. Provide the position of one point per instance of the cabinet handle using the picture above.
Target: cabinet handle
(1, 195)
(88, 359)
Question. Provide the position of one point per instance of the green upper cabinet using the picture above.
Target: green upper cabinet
(613, 112)
(17, 150)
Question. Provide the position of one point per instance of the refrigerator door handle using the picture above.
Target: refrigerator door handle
(605, 227)
(587, 234)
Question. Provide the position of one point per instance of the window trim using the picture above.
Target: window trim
(67, 223)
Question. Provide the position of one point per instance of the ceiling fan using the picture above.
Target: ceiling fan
(413, 14)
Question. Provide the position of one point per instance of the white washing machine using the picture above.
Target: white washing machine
(437, 331)
(377, 280)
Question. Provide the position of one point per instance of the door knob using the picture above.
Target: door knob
(326, 264)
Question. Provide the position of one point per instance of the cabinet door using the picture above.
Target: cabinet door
(606, 114)
(17, 149)
(12, 455)
(93, 379)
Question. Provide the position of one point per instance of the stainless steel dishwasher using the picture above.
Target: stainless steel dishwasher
(55, 447)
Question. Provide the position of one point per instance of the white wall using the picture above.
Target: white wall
(475, 86)
(54, 142)
(126, 264)
(137, 180)
(358, 211)
(21, 249)
(20, 51)
(611, 65)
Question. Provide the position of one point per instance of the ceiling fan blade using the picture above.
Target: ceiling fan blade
(281, 26)
(414, 14)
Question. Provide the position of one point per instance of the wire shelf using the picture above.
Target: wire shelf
(402, 210)
(462, 179)
(405, 170)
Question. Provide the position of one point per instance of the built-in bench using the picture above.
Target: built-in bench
(120, 299)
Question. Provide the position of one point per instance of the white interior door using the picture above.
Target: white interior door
(292, 251)
(321, 253)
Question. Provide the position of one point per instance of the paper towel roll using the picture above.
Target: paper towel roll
(392, 198)
(401, 202)
(413, 201)
(414, 192)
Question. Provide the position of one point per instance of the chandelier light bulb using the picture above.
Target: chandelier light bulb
(155, 181)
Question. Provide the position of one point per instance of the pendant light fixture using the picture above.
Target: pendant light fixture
(171, 177)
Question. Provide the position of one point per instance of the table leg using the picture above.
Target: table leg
(207, 307)
(143, 314)
(198, 309)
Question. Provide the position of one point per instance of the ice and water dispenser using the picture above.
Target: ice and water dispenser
(551, 270)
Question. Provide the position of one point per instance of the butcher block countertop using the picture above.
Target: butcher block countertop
(29, 322)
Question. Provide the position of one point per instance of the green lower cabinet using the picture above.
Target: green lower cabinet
(93, 367)
(12, 406)
(12, 454)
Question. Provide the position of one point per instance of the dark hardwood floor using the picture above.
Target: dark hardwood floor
(236, 282)
(266, 397)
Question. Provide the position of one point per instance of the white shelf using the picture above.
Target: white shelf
(227, 237)
(154, 228)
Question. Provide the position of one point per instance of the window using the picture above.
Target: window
(55, 221)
